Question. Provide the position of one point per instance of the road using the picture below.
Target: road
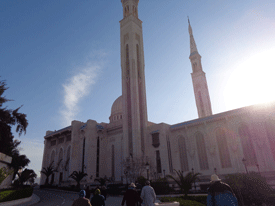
(61, 198)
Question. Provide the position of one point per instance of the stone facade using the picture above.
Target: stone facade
(223, 143)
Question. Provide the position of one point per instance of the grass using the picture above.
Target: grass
(189, 201)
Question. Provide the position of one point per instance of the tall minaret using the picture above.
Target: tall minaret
(133, 81)
(199, 80)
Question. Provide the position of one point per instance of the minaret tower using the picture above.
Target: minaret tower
(133, 81)
(199, 80)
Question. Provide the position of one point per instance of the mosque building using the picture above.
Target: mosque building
(129, 145)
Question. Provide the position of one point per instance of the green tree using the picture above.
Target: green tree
(8, 119)
(102, 181)
(78, 176)
(26, 175)
(184, 182)
(48, 171)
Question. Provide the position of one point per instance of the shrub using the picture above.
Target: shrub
(161, 186)
(10, 195)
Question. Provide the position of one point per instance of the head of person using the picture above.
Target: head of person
(103, 188)
(147, 182)
(82, 193)
(132, 186)
(97, 192)
(215, 178)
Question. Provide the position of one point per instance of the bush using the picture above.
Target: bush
(10, 195)
(161, 186)
(183, 201)
(250, 188)
(116, 189)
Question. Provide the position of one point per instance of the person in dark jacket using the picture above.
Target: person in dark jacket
(97, 199)
(88, 192)
(82, 201)
(220, 193)
(131, 196)
(104, 192)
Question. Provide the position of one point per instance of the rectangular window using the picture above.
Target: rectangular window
(60, 140)
(53, 142)
(68, 138)
(158, 160)
(155, 139)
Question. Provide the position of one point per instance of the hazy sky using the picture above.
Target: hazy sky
(61, 59)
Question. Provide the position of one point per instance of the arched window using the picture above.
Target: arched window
(52, 158)
(248, 149)
(183, 154)
(67, 164)
(223, 148)
(203, 160)
(60, 158)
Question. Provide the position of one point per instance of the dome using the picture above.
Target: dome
(117, 106)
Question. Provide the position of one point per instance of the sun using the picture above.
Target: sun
(252, 81)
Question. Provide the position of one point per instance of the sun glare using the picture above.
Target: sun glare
(252, 81)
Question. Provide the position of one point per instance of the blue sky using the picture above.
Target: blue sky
(61, 59)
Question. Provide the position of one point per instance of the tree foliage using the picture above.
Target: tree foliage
(184, 182)
(26, 175)
(8, 119)
(250, 188)
(4, 173)
(78, 176)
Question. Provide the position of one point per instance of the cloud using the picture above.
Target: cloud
(76, 88)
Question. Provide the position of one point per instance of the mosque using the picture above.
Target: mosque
(239, 140)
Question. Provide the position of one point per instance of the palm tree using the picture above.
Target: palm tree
(26, 175)
(78, 176)
(184, 182)
(48, 171)
(102, 181)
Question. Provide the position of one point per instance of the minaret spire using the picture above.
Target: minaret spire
(198, 78)
(193, 46)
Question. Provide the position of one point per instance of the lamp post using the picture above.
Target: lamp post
(194, 180)
(215, 170)
(163, 173)
(147, 168)
(126, 174)
(244, 162)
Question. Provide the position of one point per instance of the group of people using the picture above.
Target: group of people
(219, 193)
(131, 197)
(98, 198)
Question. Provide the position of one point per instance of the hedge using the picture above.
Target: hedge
(189, 201)
(9, 195)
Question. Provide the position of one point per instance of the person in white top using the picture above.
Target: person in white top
(148, 195)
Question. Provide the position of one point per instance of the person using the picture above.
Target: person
(82, 201)
(148, 194)
(131, 196)
(104, 192)
(220, 193)
(88, 192)
(97, 199)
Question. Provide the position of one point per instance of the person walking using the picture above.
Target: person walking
(220, 193)
(148, 194)
(131, 196)
(97, 199)
(82, 201)
(88, 192)
(104, 192)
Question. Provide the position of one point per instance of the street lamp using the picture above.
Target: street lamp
(194, 179)
(163, 173)
(147, 168)
(244, 162)
(215, 170)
